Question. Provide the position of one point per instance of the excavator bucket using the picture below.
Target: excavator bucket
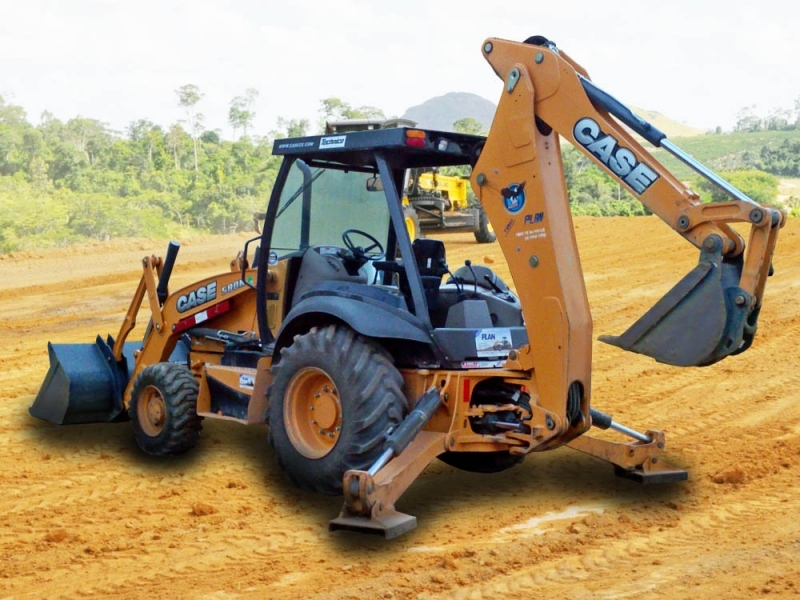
(700, 321)
(85, 383)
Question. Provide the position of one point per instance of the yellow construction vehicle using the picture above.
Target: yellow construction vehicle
(368, 356)
(431, 201)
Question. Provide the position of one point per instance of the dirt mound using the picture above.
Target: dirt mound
(84, 514)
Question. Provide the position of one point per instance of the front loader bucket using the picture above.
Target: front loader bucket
(700, 321)
(85, 384)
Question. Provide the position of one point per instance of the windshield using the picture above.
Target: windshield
(334, 201)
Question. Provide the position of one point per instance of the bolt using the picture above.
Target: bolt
(538, 58)
(488, 47)
(158, 327)
(481, 179)
(550, 423)
(338, 428)
(756, 215)
(683, 222)
(330, 435)
(660, 445)
(712, 243)
(316, 395)
(654, 460)
(313, 422)
(322, 432)
(452, 442)
(533, 261)
(446, 396)
(740, 300)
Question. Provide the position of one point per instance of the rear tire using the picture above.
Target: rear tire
(163, 409)
(333, 400)
(485, 233)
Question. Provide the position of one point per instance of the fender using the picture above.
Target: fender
(365, 315)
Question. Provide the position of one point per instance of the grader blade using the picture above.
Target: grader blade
(700, 321)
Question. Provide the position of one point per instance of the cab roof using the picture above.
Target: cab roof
(402, 147)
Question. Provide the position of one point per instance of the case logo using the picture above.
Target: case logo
(619, 159)
(201, 295)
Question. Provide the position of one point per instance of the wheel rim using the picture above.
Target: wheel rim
(312, 413)
(151, 411)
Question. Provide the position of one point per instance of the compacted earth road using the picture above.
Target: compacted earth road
(84, 514)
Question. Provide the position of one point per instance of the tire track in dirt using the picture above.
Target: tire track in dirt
(84, 514)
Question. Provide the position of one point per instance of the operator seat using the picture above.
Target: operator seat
(430, 258)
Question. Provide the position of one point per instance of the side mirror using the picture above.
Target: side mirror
(374, 184)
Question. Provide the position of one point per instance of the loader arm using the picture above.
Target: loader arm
(708, 315)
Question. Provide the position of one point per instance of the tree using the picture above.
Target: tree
(241, 114)
(469, 125)
(188, 97)
(747, 120)
(291, 128)
(335, 109)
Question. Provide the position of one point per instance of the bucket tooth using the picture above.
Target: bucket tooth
(698, 322)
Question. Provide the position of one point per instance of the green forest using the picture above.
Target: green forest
(64, 182)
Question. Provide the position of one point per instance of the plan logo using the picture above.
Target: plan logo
(619, 159)
(532, 219)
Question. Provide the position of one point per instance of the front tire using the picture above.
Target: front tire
(412, 222)
(333, 400)
(485, 233)
(163, 409)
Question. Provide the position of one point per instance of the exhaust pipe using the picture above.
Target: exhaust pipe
(162, 291)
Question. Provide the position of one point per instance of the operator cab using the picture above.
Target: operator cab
(335, 227)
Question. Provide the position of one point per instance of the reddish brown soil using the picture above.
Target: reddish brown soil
(83, 513)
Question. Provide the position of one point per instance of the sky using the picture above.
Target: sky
(699, 62)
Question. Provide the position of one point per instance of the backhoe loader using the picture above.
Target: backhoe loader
(368, 356)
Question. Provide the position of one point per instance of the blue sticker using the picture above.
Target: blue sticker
(514, 197)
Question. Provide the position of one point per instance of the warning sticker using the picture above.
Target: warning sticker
(493, 342)
(482, 364)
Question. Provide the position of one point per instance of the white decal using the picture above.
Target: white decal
(247, 382)
(493, 342)
(336, 141)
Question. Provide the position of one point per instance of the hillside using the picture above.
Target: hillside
(441, 112)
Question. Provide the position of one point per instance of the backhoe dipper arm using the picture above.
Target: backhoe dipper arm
(710, 314)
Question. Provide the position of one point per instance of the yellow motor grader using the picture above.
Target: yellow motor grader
(368, 357)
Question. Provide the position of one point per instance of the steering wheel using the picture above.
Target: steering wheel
(361, 251)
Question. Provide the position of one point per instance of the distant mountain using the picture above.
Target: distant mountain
(441, 112)
(672, 128)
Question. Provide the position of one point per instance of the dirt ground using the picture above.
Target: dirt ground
(83, 513)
